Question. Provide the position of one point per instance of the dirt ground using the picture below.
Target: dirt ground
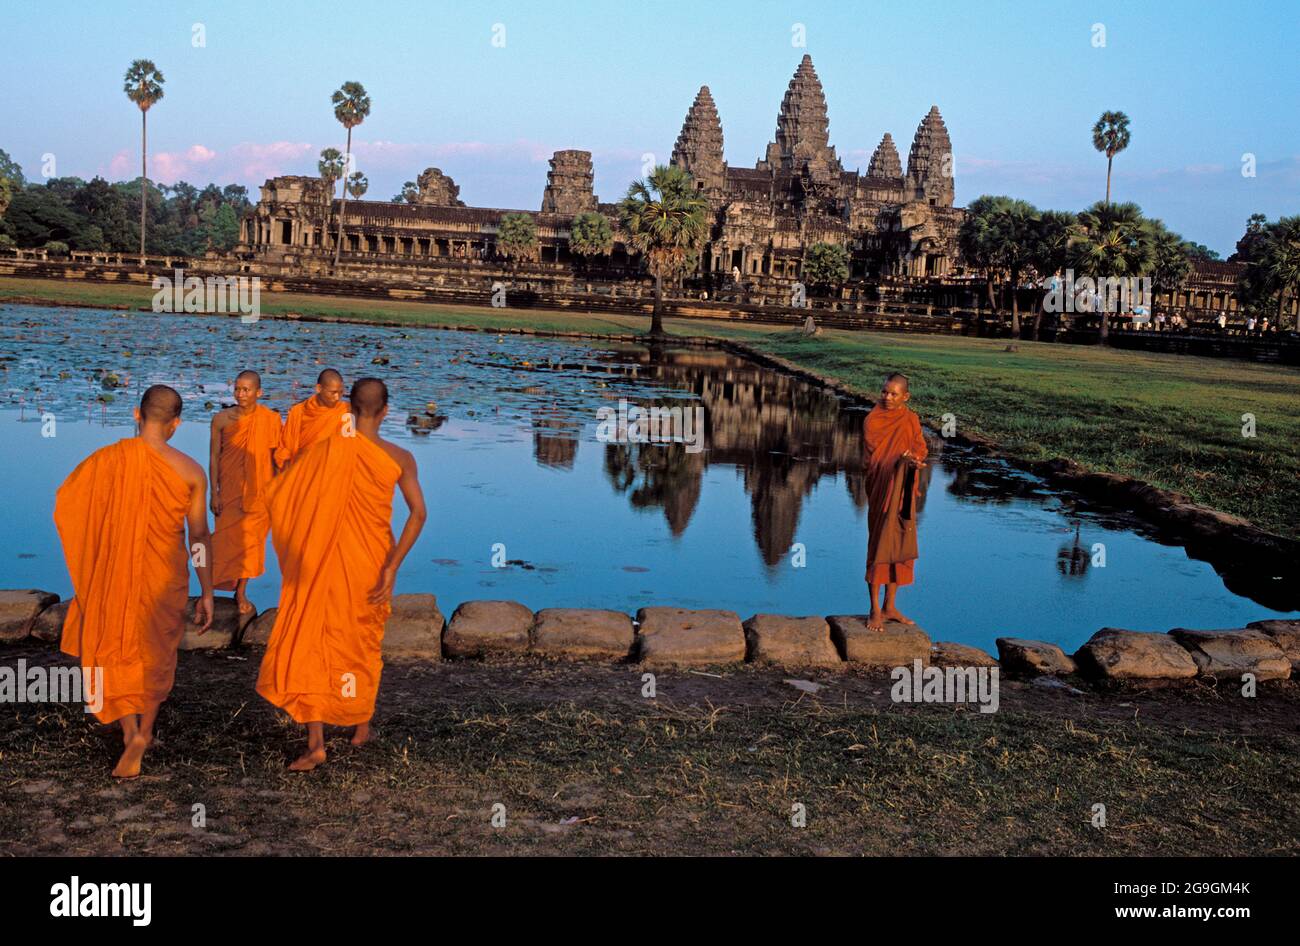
(715, 764)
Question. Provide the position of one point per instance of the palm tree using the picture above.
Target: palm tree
(143, 86)
(357, 185)
(351, 106)
(1110, 136)
(975, 238)
(1112, 240)
(590, 236)
(1276, 266)
(665, 221)
(1051, 251)
(1011, 241)
(517, 238)
(1172, 262)
(330, 167)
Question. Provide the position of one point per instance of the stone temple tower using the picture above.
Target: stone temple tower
(929, 163)
(885, 162)
(802, 128)
(569, 184)
(699, 146)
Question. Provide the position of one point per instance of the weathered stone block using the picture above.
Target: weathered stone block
(1118, 654)
(951, 654)
(583, 632)
(1285, 633)
(479, 628)
(790, 641)
(1230, 653)
(677, 636)
(19, 609)
(258, 630)
(414, 628)
(1031, 658)
(224, 630)
(48, 625)
(898, 645)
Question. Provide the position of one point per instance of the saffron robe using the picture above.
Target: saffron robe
(330, 516)
(893, 487)
(244, 469)
(307, 424)
(121, 517)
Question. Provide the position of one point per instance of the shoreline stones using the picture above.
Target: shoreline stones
(1029, 658)
(680, 637)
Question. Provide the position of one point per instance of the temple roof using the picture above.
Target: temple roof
(802, 127)
(699, 146)
(885, 162)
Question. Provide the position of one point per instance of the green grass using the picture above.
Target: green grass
(1174, 421)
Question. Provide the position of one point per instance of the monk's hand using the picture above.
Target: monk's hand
(384, 589)
(216, 505)
(203, 612)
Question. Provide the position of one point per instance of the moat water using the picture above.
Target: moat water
(769, 516)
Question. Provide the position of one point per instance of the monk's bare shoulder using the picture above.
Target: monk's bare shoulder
(403, 458)
(187, 469)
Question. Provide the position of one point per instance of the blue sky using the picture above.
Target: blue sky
(1019, 85)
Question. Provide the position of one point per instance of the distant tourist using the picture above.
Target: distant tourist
(1263, 326)
(122, 515)
(1223, 322)
(1250, 325)
(895, 455)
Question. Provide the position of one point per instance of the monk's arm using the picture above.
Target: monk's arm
(919, 449)
(201, 548)
(414, 496)
(214, 465)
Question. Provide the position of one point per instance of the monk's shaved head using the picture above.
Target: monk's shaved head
(250, 375)
(369, 396)
(899, 376)
(160, 404)
(328, 375)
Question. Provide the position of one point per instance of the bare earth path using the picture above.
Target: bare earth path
(584, 764)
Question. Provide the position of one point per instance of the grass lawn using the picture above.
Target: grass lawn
(1174, 421)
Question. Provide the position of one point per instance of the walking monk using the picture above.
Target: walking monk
(311, 420)
(241, 457)
(330, 516)
(895, 452)
(122, 516)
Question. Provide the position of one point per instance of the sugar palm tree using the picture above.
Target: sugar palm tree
(665, 220)
(1276, 266)
(357, 185)
(1011, 241)
(351, 107)
(1051, 251)
(1112, 240)
(330, 167)
(590, 236)
(1171, 264)
(1110, 136)
(143, 85)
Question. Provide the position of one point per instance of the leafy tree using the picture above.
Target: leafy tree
(1276, 269)
(410, 193)
(143, 85)
(1112, 240)
(517, 237)
(826, 265)
(56, 248)
(591, 235)
(1110, 136)
(1172, 263)
(1051, 253)
(1252, 241)
(11, 170)
(665, 221)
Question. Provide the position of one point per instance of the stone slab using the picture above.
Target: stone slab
(414, 628)
(1118, 654)
(1024, 657)
(790, 641)
(897, 645)
(952, 654)
(19, 609)
(682, 637)
(481, 628)
(1231, 652)
(583, 633)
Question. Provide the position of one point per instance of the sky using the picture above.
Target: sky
(487, 91)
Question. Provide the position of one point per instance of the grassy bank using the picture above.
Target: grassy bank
(1174, 421)
(585, 765)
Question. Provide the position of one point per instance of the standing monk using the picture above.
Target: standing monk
(895, 453)
(241, 457)
(330, 515)
(121, 515)
(314, 419)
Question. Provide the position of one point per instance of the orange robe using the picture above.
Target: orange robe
(330, 515)
(892, 490)
(307, 423)
(244, 467)
(121, 516)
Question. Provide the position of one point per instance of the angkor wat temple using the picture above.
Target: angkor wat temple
(894, 222)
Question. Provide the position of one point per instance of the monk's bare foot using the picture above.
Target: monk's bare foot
(129, 765)
(875, 621)
(893, 614)
(308, 760)
(361, 735)
(245, 606)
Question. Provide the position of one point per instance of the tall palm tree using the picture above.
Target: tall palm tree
(1012, 237)
(351, 106)
(1112, 240)
(330, 167)
(143, 85)
(1110, 136)
(665, 220)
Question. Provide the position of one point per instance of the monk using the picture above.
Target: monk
(241, 464)
(330, 515)
(122, 516)
(895, 453)
(311, 420)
